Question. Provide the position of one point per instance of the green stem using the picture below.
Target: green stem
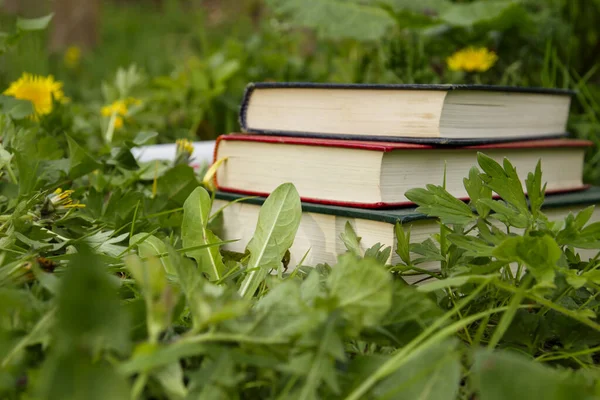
(8, 217)
(11, 174)
(231, 337)
(551, 305)
(508, 316)
(110, 131)
(138, 386)
(547, 357)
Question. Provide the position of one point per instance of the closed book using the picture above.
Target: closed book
(372, 174)
(318, 236)
(440, 114)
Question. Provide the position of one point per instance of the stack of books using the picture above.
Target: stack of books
(352, 152)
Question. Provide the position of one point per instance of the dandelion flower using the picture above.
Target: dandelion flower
(472, 60)
(184, 146)
(184, 151)
(59, 201)
(72, 57)
(62, 199)
(38, 90)
(119, 109)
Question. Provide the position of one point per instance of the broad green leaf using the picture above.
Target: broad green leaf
(72, 375)
(177, 184)
(474, 246)
(337, 19)
(574, 279)
(143, 137)
(586, 238)
(422, 6)
(453, 282)
(362, 289)
(194, 232)
(503, 181)
(225, 71)
(411, 312)
(38, 334)
(283, 314)
(468, 14)
(433, 375)
(5, 157)
(147, 357)
(209, 304)
(151, 246)
(159, 297)
(379, 252)
(350, 240)
(437, 202)
(490, 233)
(535, 190)
(477, 190)
(317, 361)
(89, 311)
(312, 287)
(34, 24)
(510, 375)
(103, 242)
(539, 253)
(27, 160)
(278, 222)
(16, 108)
(81, 162)
(507, 214)
(403, 243)
(584, 216)
(217, 378)
(428, 250)
(171, 378)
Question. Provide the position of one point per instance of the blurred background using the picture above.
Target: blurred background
(188, 61)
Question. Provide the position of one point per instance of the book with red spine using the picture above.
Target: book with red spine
(376, 174)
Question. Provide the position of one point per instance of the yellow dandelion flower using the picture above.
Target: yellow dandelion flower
(183, 152)
(72, 57)
(38, 90)
(184, 146)
(472, 60)
(120, 109)
(60, 201)
(118, 122)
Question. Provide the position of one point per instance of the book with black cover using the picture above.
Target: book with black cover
(321, 225)
(442, 114)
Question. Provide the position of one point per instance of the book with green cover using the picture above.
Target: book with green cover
(321, 226)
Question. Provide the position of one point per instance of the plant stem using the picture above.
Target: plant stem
(11, 174)
(551, 305)
(8, 217)
(231, 337)
(508, 316)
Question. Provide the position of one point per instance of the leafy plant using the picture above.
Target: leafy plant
(132, 294)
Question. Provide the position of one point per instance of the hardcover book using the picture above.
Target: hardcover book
(321, 225)
(439, 114)
(377, 174)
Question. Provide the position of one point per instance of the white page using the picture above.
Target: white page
(203, 152)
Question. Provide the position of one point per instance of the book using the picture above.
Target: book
(441, 114)
(377, 174)
(203, 152)
(321, 225)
